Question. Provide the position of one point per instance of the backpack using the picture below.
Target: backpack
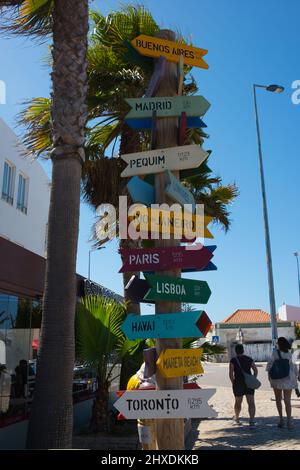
(280, 368)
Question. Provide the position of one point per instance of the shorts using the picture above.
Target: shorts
(240, 389)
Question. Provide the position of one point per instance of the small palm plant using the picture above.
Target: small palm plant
(100, 344)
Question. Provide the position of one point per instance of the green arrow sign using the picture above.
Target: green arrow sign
(179, 290)
(167, 106)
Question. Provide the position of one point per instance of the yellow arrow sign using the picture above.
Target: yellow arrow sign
(147, 220)
(180, 362)
(156, 47)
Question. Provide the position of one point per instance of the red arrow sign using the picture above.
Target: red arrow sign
(162, 259)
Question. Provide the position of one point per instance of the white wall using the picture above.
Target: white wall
(27, 230)
(228, 335)
(289, 313)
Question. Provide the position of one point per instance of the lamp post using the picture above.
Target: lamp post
(296, 254)
(274, 89)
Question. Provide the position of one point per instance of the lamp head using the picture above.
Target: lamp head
(275, 88)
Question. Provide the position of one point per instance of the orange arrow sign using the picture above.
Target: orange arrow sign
(156, 47)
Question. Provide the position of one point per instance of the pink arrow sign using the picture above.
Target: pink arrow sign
(161, 259)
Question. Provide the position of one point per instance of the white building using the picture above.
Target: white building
(252, 327)
(289, 313)
(24, 195)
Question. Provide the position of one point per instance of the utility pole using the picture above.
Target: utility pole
(169, 432)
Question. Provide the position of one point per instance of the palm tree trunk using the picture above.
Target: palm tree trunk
(100, 414)
(51, 420)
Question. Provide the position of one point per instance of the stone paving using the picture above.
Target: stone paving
(222, 433)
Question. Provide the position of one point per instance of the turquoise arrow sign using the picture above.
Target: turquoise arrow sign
(167, 106)
(141, 191)
(177, 289)
(168, 325)
(176, 191)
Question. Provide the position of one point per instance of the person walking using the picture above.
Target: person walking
(282, 372)
(291, 341)
(238, 367)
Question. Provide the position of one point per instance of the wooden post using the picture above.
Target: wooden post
(169, 432)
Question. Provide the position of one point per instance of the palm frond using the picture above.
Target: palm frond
(27, 17)
(36, 121)
(98, 330)
(216, 202)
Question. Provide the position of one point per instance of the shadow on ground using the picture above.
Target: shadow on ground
(233, 437)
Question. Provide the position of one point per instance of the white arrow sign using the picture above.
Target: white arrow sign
(156, 161)
(176, 191)
(153, 404)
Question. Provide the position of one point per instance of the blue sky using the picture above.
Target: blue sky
(248, 42)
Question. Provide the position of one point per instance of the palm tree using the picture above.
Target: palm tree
(50, 426)
(100, 344)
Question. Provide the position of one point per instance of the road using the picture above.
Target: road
(218, 375)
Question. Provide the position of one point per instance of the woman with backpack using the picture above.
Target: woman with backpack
(283, 373)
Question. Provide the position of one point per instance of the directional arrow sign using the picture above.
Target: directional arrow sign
(156, 47)
(169, 106)
(156, 161)
(167, 325)
(155, 404)
(146, 123)
(136, 289)
(177, 289)
(141, 191)
(180, 362)
(164, 259)
(177, 192)
(161, 221)
(209, 267)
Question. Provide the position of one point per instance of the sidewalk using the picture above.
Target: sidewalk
(222, 433)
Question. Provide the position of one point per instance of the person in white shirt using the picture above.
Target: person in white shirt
(283, 386)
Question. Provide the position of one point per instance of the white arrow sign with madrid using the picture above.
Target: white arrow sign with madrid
(190, 403)
(156, 161)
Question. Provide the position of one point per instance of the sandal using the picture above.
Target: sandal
(237, 420)
(280, 424)
(252, 424)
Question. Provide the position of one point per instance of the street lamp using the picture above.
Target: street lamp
(274, 89)
(297, 260)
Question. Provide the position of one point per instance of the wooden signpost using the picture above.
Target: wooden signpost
(179, 193)
(176, 223)
(175, 289)
(156, 161)
(160, 114)
(167, 106)
(171, 50)
(153, 404)
(180, 362)
(193, 324)
(162, 259)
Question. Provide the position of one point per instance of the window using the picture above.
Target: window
(22, 194)
(8, 185)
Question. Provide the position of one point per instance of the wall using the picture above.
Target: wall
(289, 313)
(27, 230)
(14, 435)
(228, 335)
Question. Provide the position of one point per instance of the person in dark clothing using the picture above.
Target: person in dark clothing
(239, 365)
(21, 378)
